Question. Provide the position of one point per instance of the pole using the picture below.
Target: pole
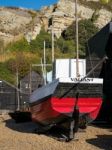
(17, 82)
(77, 40)
(52, 42)
(44, 64)
(30, 79)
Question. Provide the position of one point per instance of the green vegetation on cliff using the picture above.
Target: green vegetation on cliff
(21, 54)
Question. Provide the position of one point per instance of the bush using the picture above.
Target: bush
(86, 30)
(37, 45)
(6, 74)
(65, 46)
(19, 63)
(21, 45)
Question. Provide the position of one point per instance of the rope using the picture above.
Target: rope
(75, 85)
(14, 87)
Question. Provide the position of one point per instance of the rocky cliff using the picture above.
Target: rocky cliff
(16, 22)
(63, 13)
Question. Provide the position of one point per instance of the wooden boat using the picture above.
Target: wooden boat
(51, 103)
(21, 116)
(57, 102)
(72, 100)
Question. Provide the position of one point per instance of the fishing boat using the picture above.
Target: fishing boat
(70, 98)
(21, 116)
(56, 102)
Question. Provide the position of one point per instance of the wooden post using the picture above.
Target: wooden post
(77, 41)
(17, 82)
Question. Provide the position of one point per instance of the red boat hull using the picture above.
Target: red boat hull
(53, 110)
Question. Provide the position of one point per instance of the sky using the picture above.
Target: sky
(31, 4)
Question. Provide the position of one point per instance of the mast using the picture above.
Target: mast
(77, 41)
(44, 64)
(52, 42)
(17, 82)
(30, 79)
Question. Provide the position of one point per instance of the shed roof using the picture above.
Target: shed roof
(34, 76)
(101, 43)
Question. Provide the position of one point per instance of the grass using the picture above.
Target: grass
(6, 74)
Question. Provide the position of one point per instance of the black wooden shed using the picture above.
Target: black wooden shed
(98, 46)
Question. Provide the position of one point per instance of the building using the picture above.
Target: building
(99, 46)
(28, 84)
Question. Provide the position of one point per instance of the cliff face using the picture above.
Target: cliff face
(63, 13)
(15, 23)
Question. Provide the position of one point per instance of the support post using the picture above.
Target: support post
(74, 122)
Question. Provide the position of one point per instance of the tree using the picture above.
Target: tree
(20, 64)
(38, 43)
(65, 46)
(86, 30)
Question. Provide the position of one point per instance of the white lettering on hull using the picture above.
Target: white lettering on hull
(81, 80)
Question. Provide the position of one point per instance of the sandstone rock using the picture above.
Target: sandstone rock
(104, 17)
(64, 15)
(34, 29)
(10, 20)
(12, 23)
(29, 23)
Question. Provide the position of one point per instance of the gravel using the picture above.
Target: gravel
(22, 137)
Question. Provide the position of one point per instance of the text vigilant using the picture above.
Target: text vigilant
(82, 79)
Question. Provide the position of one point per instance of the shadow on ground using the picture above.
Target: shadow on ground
(55, 132)
(26, 127)
(103, 125)
(59, 133)
(102, 141)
